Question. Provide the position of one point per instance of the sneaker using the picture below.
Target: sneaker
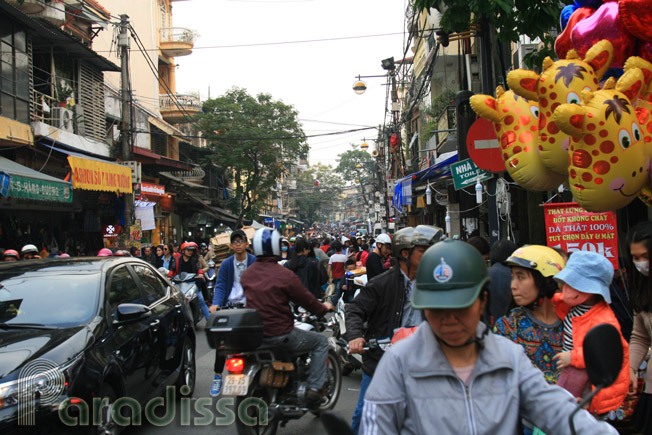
(217, 386)
(313, 399)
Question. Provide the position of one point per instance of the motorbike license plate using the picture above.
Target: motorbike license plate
(235, 385)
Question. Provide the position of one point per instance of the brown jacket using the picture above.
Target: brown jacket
(269, 287)
(639, 344)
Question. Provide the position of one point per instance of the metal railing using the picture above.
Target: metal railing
(42, 107)
(178, 34)
(169, 102)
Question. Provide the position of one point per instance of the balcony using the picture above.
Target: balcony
(178, 108)
(177, 41)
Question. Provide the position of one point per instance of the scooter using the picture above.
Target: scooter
(211, 277)
(603, 356)
(350, 362)
(186, 283)
(257, 372)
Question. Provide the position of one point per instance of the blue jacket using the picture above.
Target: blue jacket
(224, 281)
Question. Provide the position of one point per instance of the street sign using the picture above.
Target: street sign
(483, 146)
(466, 173)
(269, 220)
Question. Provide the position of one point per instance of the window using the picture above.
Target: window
(153, 287)
(123, 290)
(14, 73)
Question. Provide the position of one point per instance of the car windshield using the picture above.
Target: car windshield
(52, 299)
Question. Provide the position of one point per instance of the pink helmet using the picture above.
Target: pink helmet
(105, 252)
(64, 255)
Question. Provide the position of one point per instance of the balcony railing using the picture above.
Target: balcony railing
(178, 34)
(187, 102)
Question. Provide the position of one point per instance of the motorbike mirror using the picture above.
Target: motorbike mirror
(335, 424)
(603, 354)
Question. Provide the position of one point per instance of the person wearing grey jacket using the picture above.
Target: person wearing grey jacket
(453, 376)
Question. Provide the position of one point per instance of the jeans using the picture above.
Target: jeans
(339, 282)
(357, 414)
(202, 305)
(299, 342)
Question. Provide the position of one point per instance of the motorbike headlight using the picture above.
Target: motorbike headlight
(40, 379)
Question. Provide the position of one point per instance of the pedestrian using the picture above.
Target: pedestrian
(285, 250)
(482, 245)
(305, 268)
(168, 261)
(228, 292)
(375, 260)
(148, 255)
(159, 256)
(362, 255)
(583, 304)
(620, 300)
(336, 269)
(29, 252)
(384, 303)
(640, 246)
(10, 255)
(133, 251)
(500, 292)
(453, 377)
(326, 246)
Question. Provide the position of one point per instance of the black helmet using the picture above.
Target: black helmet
(426, 235)
(203, 245)
(402, 240)
(450, 275)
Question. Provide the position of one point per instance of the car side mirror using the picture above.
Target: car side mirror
(126, 313)
(603, 354)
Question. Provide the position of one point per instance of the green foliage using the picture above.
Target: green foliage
(510, 18)
(317, 203)
(349, 160)
(256, 140)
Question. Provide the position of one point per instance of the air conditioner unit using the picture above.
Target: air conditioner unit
(62, 118)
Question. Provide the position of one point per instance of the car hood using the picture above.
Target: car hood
(19, 347)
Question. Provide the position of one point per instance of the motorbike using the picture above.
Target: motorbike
(603, 356)
(186, 283)
(211, 277)
(349, 362)
(268, 375)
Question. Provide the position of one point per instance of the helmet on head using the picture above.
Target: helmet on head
(188, 245)
(203, 245)
(451, 275)
(384, 239)
(10, 253)
(345, 239)
(267, 243)
(29, 249)
(293, 239)
(426, 235)
(536, 257)
(542, 259)
(120, 253)
(402, 240)
(105, 252)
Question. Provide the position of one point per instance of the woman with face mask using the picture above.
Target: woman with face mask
(640, 246)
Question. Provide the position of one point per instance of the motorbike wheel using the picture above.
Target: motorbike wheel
(333, 384)
(255, 391)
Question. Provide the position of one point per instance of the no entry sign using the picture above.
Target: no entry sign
(483, 146)
(571, 228)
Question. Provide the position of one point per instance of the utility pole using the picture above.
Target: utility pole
(125, 94)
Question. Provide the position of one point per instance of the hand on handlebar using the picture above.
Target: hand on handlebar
(356, 345)
(213, 308)
(329, 306)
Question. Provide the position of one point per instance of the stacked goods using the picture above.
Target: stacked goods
(222, 244)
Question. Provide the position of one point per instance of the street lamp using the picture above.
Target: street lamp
(359, 87)
(358, 165)
(364, 146)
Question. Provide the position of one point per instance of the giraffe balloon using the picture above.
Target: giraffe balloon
(608, 162)
(515, 120)
(561, 82)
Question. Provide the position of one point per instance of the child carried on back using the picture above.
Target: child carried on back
(583, 304)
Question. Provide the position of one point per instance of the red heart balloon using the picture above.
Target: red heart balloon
(645, 50)
(604, 24)
(563, 42)
(636, 16)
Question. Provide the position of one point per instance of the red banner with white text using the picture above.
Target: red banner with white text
(571, 228)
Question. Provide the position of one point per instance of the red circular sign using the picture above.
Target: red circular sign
(483, 146)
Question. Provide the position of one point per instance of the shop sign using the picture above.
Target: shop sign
(111, 231)
(135, 232)
(167, 203)
(466, 173)
(269, 220)
(90, 174)
(40, 190)
(152, 189)
(571, 228)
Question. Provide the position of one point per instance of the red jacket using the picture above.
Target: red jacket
(269, 287)
(612, 397)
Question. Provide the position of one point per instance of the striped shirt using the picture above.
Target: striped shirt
(575, 311)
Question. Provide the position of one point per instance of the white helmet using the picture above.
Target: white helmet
(267, 242)
(29, 249)
(345, 239)
(384, 239)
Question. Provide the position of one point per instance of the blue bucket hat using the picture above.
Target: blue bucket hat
(588, 272)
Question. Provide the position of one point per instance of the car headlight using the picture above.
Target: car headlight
(39, 379)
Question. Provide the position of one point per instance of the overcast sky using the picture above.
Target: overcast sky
(314, 77)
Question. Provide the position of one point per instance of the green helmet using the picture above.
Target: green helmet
(402, 240)
(426, 235)
(450, 275)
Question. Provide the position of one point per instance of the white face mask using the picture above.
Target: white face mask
(643, 267)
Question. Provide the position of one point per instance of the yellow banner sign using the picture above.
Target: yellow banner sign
(90, 174)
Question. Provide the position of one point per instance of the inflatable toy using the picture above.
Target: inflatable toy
(608, 162)
(515, 121)
(636, 17)
(563, 43)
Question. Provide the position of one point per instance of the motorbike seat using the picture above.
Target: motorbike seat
(279, 353)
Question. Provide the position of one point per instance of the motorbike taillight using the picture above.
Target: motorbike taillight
(235, 365)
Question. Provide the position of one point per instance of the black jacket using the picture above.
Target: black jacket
(375, 266)
(311, 273)
(380, 304)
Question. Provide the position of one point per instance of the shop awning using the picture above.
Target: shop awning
(146, 157)
(93, 174)
(18, 181)
(164, 126)
(184, 182)
(403, 188)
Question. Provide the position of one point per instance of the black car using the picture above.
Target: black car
(77, 329)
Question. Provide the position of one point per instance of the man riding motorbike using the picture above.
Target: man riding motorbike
(452, 376)
(380, 253)
(384, 303)
(188, 263)
(268, 288)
